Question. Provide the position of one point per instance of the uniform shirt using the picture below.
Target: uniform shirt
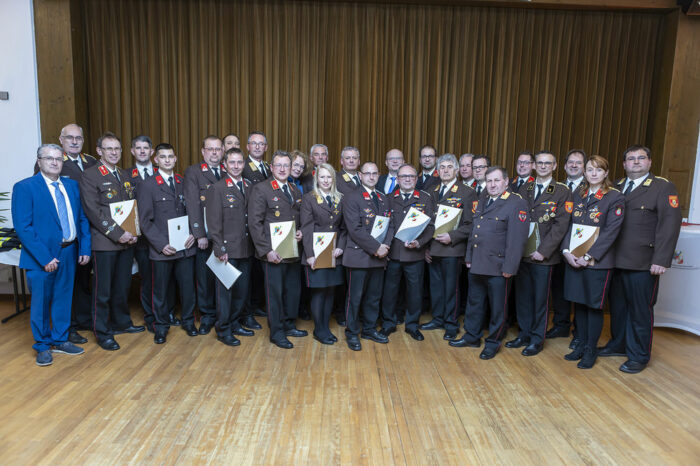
(635, 183)
(198, 178)
(141, 169)
(69, 209)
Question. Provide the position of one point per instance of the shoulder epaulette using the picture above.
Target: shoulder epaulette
(614, 189)
(662, 178)
(562, 184)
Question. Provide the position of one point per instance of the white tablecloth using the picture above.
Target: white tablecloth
(678, 304)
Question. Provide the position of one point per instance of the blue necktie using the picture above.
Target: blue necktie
(393, 185)
(62, 211)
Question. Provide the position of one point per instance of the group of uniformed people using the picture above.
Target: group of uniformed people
(512, 243)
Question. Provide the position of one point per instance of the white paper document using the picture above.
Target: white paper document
(379, 228)
(412, 226)
(226, 273)
(178, 232)
(446, 219)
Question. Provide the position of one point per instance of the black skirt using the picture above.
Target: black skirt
(587, 286)
(323, 278)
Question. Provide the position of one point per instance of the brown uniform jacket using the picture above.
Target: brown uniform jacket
(422, 201)
(462, 197)
(498, 235)
(137, 180)
(651, 225)
(252, 173)
(604, 210)
(227, 219)
(158, 204)
(198, 179)
(552, 212)
(70, 169)
(513, 186)
(98, 189)
(345, 183)
(359, 213)
(318, 216)
(430, 182)
(268, 204)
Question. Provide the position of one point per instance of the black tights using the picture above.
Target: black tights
(589, 324)
(321, 309)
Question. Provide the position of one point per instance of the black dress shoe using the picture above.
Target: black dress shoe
(606, 351)
(129, 329)
(295, 332)
(576, 354)
(632, 367)
(108, 344)
(532, 349)
(159, 338)
(76, 338)
(387, 331)
(149, 328)
(354, 343)
(517, 343)
(325, 341)
(229, 340)
(432, 325)
(449, 335)
(415, 334)
(244, 332)
(284, 344)
(204, 329)
(250, 322)
(341, 322)
(334, 338)
(174, 321)
(463, 342)
(259, 312)
(557, 332)
(400, 320)
(574, 343)
(588, 358)
(374, 336)
(190, 330)
(488, 352)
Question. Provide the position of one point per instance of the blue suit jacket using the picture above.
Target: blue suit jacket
(37, 225)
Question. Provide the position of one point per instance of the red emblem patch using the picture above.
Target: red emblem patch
(229, 182)
(159, 179)
(103, 170)
(134, 172)
(569, 207)
(366, 195)
(599, 194)
(673, 201)
(416, 194)
(474, 205)
(275, 185)
(522, 215)
(204, 167)
(618, 211)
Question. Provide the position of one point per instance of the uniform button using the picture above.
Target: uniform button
(331, 217)
(482, 217)
(478, 226)
(475, 245)
(476, 236)
(225, 241)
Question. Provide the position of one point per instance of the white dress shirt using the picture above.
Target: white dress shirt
(52, 190)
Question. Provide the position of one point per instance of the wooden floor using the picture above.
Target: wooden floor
(196, 401)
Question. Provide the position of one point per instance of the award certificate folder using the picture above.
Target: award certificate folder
(126, 214)
(412, 226)
(447, 219)
(379, 228)
(178, 232)
(533, 239)
(226, 273)
(282, 239)
(582, 238)
(324, 244)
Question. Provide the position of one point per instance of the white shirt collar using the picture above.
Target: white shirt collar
(49, 180)
(449, 185)
(544, 184)
(636, 182)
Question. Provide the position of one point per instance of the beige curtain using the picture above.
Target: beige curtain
(377, 76)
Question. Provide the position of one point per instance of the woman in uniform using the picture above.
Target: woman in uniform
(321, 212)
(588, 248)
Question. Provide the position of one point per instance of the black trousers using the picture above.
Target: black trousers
(256, 288)
(445, 291)
(532, 300)
(206, 287)
(321, 310)
(412, 272)
(145, 293)
(163, 273)
(81, 317)
(561, 308)
(282, 289)
(632, 298)
(485, 289)
(590, 324)
(230, 303)
(364, 292)
(110, 308)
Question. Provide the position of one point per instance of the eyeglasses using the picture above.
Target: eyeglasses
(427, 156)
(213, 149)
(52, 159)
(406, 177)
(256, 144)
(524, 162)
(72, 138)
(280, 165)
(479, 167)
(544, 164)
(115, 150)
(641, 158)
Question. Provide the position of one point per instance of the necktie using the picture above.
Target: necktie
(357, 180)
(375, 199)
(285, 188)
(588, 199)
(442, 191)
(216, 172)
(329, 201)
(171, 183)
(393, 184)
(146, 174)
(490, 201)
(116, 175)
(478, 189)
(520, 183)
(240, 186)
(62, 210)
(539, 191)
(571, 185)
(406, 197)
(630, 185)
(77, 162)
(262, 169)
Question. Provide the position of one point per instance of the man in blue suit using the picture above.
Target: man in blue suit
(55, 235)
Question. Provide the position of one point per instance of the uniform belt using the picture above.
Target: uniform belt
(65, 244)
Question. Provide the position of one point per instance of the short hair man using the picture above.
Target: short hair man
(72, 140)
(524, 165)
(429, 175)
(113, 247)
(347, 179)
(55, 236)
(256, 169)
(161, 198)
(465, 170)
(365, 258)
(231, 141)
(388, 183)
(652, 217)
(494, 251)
(480, 164)
(274, 201)
(318, 154)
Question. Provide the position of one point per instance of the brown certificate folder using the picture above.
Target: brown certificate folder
(582, 239)
(126, 214)
(324, 244)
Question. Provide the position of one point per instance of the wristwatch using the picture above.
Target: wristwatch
(587, 257)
